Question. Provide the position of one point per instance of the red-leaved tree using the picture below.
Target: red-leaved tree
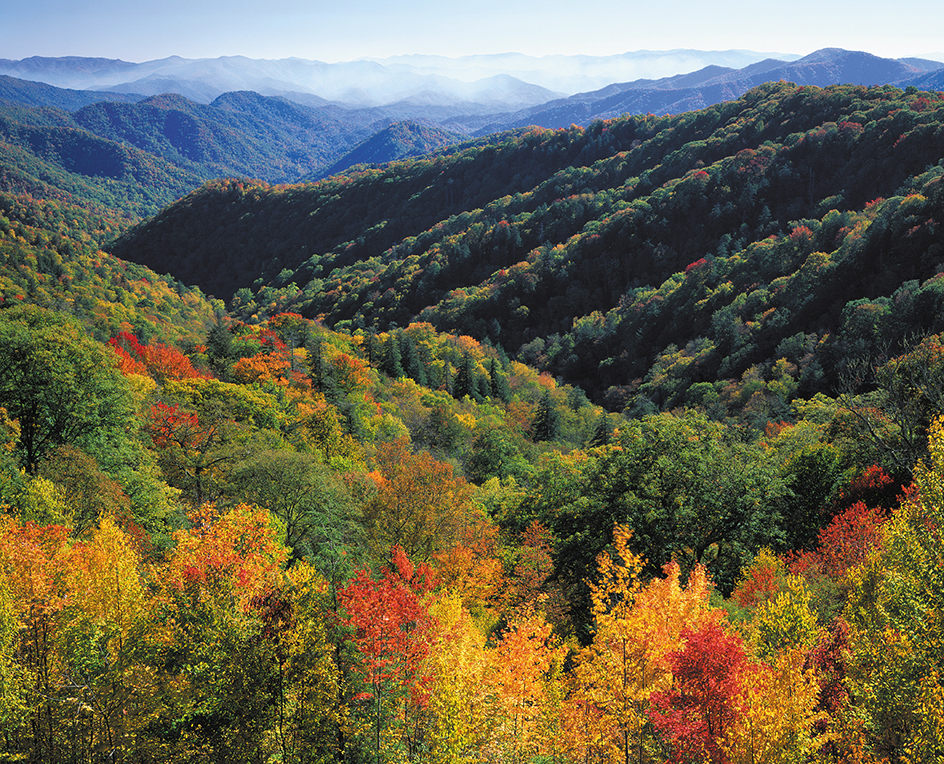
(393, 631)
(703, 701)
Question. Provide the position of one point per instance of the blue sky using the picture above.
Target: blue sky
(350, 29)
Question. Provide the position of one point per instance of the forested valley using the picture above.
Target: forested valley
(608, 444)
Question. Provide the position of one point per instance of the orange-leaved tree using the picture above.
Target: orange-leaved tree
(527, 661)
(213, 591)
(421, 505)
(33, 560)
(636, 628)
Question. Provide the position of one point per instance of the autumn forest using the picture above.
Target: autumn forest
(611, 444)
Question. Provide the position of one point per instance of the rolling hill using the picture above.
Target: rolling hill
(712, 243)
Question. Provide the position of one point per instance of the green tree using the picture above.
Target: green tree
(495, 454)
(895, 613)
(602, 432)
(686, 486)
(467, 380)
(392, 362)
(312, 504)
(60, 385)
(497, 382)
(546, 424)
(412, 362)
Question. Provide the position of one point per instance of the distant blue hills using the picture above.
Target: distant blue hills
(289, 120)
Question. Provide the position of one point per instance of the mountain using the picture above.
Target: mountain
(474, 95)
(370, 81)
(574, 74)
(353, 84)
(44, 154)
(39, 94)
(725, 238)
(674, 95)
(928, 81)
(239, 134)
(399, 141)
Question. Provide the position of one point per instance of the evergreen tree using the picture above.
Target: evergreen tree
(497, 382)
(220, 349)
(601, 432)
(546, 424)
(466, 382)
(412, 363)
(392, 363)
(373, 349)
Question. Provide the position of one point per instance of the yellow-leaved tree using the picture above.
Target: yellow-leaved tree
(460, 698)
(778, 704)
(527, 662)
(895, 612)
(635, 628)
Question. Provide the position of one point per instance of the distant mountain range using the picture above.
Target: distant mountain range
(498, 80)
(292, 120)
(714, 84)
(472, 95)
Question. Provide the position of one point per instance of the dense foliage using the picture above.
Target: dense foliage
(644, 258)
(286, 544)
(260, 538)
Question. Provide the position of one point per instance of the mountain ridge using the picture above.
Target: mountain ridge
(536, 238)
(827, 66)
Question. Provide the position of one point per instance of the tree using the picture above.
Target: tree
(215, 588)
(894, 611)
(86, 490)
(528, 659)
(394, 634)
(635, 630)
(33, 559)
(309, 677)
(105, 640)
(311, 502)
(413, 364)
(778, 704)
(703, 704)
(546, 424)
(420, 504)
(602, 432)
(194, 450)
(689, 490)
(911, 396)
(58, 384)
(785, 621)
(159, 360)
(495, 454)
(392, 362)
(467, 380)
(458, 667)
(497, 382)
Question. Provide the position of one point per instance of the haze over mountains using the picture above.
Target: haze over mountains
(471, 95)
(496, 78)
(289, 120)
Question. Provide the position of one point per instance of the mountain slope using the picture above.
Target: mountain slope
(568, 247)
(400, 141)
(39, 94)
(674, 95)
(241, 134)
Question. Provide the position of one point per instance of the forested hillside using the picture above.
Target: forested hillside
(637, 258)
(364, 513)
